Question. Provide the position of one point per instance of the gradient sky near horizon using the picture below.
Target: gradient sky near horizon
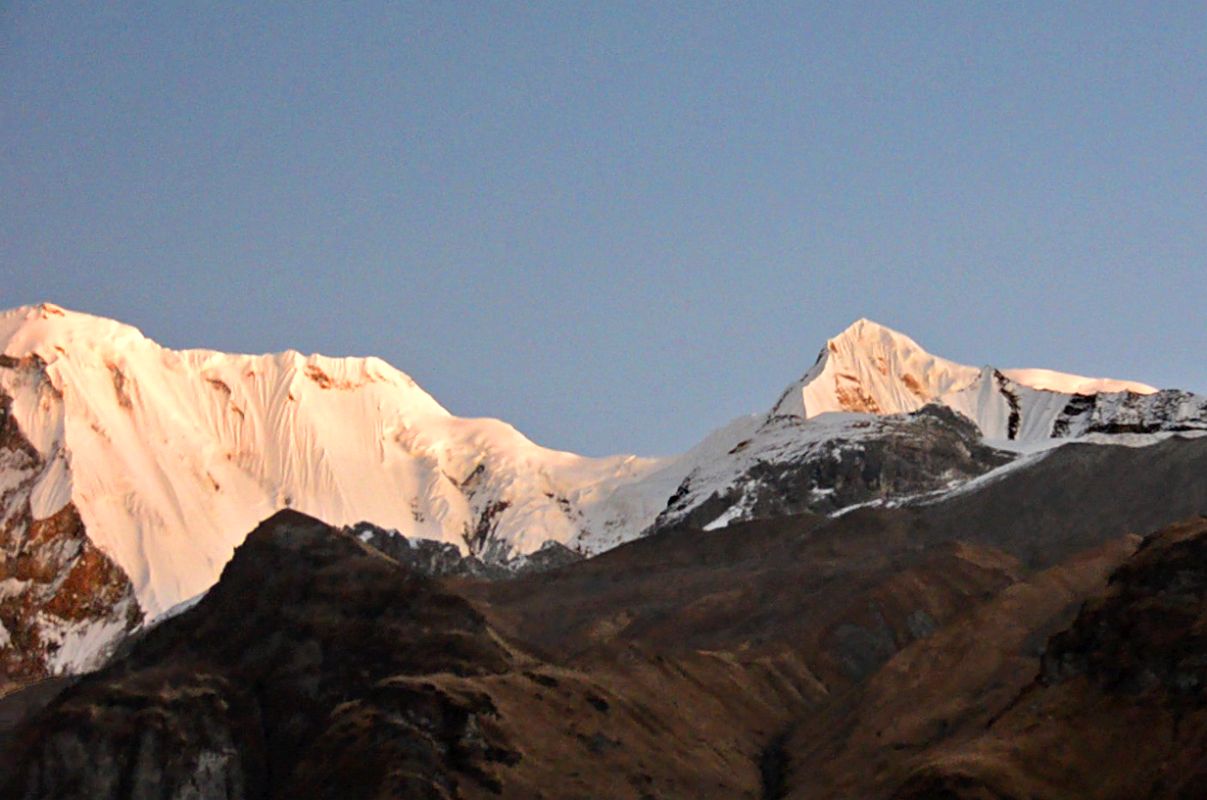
(616, 225)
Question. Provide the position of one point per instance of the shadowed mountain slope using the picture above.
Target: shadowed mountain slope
(793, 578)
(885, 652)
(1118, 708)
(319, 667)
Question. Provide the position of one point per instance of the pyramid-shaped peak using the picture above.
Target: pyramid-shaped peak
(868, 331)
(870, 367)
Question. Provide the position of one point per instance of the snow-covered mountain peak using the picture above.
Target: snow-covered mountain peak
(876, 400)
(871, 368)
(73, 345)
(169, 456)
(869, 330)
(48, 331)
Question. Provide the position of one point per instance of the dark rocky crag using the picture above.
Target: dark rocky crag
(442, 559)
(1166, 411)
(224, 700)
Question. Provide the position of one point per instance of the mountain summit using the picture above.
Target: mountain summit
(168, 454)
(874, 369)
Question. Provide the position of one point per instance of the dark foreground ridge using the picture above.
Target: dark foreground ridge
(320, 667)
(867, 656)
(232, 697)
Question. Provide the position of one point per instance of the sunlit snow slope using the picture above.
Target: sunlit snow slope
(171, 457)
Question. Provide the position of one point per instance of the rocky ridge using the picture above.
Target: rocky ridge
(440, 559)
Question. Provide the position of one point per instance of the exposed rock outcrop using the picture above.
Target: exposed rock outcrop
(787, 468)
(441, 559)
(63, 603)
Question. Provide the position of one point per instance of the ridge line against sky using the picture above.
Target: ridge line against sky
(616, 227)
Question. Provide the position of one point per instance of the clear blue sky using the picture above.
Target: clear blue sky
(616, 225)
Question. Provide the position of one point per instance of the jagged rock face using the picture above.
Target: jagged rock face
(1166, 411)
(440, 559)
(437, 559)
(790, 470)
(63, 603)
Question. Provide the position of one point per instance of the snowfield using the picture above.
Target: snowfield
(171, 457)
